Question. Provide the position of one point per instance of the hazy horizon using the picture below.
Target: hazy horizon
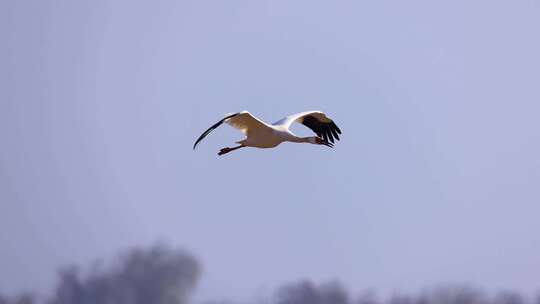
(162, 274)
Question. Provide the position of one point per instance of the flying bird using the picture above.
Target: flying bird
(262, 135)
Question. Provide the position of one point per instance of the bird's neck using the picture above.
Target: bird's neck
(298, 139)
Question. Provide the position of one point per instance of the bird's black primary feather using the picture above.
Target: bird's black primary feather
(217, 124)
(326, 130)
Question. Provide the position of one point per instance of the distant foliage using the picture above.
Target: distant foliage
(157, 275)
(305, 292)
(162, 275)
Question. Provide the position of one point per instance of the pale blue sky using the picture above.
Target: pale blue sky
(436, 179)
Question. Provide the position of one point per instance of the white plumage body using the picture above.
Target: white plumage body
(258, 133)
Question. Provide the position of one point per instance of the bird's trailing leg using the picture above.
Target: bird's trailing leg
(227, 150)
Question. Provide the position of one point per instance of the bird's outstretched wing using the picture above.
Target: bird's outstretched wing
(242, 121)
(247, 123)
(317, 121)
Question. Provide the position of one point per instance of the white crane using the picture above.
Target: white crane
(262, 135)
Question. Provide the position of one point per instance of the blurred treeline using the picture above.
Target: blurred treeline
(163, 275)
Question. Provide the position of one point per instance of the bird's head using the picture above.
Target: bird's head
(319, 141)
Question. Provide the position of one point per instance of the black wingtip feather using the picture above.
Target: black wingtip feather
(336, 127)
(335, 133)
(330, 136)
(325, 137)
(327, 130)
(212, 128)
